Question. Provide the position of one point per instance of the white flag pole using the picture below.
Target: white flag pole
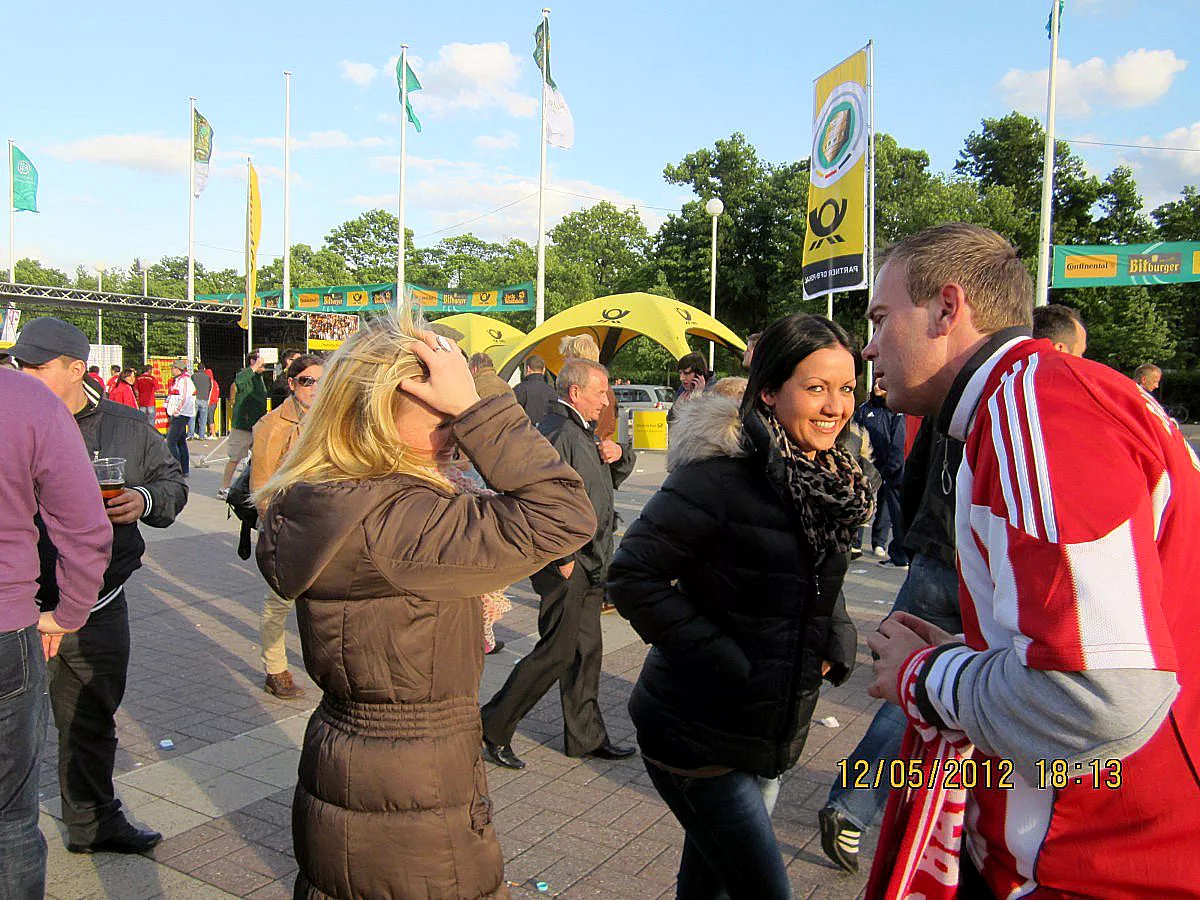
(539, 315)
(12, 217)
(191, 178)
(285, 300)
(403, 79)
(870, 194)
(1044, 262)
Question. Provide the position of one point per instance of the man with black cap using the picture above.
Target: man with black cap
(87, 677)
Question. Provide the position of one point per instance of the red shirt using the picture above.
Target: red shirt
(121, 392)
(1078, 499)
(146, 387)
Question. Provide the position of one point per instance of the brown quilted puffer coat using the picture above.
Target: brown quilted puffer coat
(392, 798)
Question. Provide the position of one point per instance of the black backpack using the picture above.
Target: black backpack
(242, 506)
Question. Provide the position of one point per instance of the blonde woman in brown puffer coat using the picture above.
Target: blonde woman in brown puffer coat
(386, 560)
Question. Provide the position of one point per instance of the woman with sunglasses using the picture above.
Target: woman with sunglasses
(274, 435)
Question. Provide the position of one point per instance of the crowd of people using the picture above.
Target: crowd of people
(1041, 505)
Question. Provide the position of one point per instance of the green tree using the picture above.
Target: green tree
(612, 245)
(1125, 327)
(1178, 220)
(30, 271)
(1008, 152)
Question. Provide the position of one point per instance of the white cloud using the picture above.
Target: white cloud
(506, 140)
(454, 193)
(1162, 174)
(360, 73)
(140, 152)
(472, 77)
(1139, 78)
(323, 140)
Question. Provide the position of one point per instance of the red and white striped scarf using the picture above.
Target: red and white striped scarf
(920, 839)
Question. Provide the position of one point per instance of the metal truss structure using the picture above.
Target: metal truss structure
(110, 302)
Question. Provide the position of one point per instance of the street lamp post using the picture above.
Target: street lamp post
(714, 208)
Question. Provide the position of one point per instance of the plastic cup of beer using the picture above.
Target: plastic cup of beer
(110, 472)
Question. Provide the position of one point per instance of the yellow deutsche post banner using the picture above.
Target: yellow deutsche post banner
(836, 245)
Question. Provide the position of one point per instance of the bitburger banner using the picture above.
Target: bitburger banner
(835, 249)
(1091, 265)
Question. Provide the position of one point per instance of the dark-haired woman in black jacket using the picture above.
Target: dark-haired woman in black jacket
(733, 573)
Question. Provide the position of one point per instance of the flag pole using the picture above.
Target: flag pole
(285, 301)
(248, 300)
(12, 216)
(1043, 269)
(540, 301)
(870, 194)
(400, 293)
(191, 176)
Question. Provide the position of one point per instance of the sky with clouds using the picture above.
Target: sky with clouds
(99, 102)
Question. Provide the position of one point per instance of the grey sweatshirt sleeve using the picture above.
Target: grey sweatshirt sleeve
(1011, 711)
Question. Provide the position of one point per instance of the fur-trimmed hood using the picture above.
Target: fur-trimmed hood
(706, 427)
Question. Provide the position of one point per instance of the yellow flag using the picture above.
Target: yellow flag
(253, 232)
(836, 245)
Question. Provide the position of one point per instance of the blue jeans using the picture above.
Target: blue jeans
(887, 513)
(23, 724)
(930, 592)
(177, 441)
(200, 429)
(729, 850)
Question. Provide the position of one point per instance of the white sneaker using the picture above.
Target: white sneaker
(880, 551)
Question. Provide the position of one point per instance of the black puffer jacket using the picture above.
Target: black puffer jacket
(717, 575)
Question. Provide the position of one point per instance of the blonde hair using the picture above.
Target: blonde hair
(350, 432)
(732, 386)
(997, 285)
(579, 346)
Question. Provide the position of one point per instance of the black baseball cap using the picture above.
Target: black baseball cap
(45, 339)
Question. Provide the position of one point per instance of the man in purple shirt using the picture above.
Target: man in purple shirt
(44, 468)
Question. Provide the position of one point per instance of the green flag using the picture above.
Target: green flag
(24, 181)
(541, 49)
(1050, 18)
(409, 84)
(202, 147)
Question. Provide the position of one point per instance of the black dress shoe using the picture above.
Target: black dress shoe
(501, 755)
(129, 839)
(496, 648)
(608, 750)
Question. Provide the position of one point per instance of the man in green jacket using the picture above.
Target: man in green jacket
(249, 398)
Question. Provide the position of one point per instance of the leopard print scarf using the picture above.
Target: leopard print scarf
(829, 493)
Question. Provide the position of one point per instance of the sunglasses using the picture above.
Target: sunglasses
(307, 381)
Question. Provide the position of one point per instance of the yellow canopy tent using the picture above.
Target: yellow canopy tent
(484, 334)
(614, 322)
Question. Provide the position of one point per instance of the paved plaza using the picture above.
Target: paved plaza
(221, 795)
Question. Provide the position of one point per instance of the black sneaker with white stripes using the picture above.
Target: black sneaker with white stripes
(839, 839)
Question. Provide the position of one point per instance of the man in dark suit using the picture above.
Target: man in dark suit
(569, 648)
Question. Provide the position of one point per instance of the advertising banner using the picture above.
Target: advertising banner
(355, 298)
(1125, 264)
(836, 245)
(327, 331)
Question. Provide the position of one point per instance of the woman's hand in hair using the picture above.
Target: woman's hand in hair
(449, 389)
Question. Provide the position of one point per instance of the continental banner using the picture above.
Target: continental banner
(835, 248)
(356, 298)
(1125, 264)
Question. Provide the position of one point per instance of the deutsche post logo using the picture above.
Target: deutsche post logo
(684, 314)
(825, 220)
(1102, 265)
(614, 314)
